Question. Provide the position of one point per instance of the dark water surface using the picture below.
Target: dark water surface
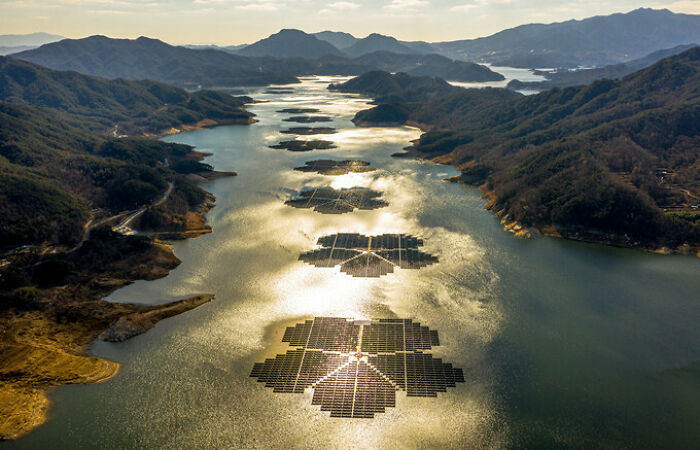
(562, 344)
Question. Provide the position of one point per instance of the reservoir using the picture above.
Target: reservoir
(560, 343)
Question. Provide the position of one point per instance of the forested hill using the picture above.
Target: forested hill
(151, 59)
(617, 161)
(115, 107)
(291, 44)
(400, 87)
(52, 174)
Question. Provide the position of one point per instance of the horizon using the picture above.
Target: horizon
(123, 18)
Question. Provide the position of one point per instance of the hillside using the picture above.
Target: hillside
(446, 110)
(596, 41)
(290, 44)
(337, 39)
(617, 161)
(115, 107)
(568, 78)
(151, 59)
(52, 175)
(432, 65)
(374, 43)
(400, 87)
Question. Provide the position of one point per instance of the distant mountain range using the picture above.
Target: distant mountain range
(592, 42)
(145, 58)
(596, 41)
(13, 43)
(373, 43)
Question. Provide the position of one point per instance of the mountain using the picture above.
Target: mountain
(617, 161)
(428, 65)
(227, 48)
(32, 39)
(420, 47)
(392, 88)
(596, 41)
(587, 76)
(115, 106)
(145, 58)
(376, 42)
(290, 44)
(337, 39)
(20, 48)
(14, 43)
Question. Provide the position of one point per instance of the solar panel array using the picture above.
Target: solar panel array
(327, 200)
(331, 167)
(397, 335)
(356, 367)
(369, 256)
(309, 131)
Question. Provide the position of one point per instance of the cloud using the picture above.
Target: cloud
(687, 6)
(336, 7)
(343, 5)
(406, 5)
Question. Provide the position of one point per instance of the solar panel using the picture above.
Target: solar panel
(327, 200)
(369, 256)
(331, 167)
(356, 367)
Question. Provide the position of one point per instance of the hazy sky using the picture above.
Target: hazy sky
(243, 21)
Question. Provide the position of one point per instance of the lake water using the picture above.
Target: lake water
(561, 344)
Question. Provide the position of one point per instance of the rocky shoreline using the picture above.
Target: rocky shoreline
(518, 229)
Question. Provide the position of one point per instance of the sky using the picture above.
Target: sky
(227, 22)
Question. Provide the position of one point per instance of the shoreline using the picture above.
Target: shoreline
(518, 229)
(39, 352)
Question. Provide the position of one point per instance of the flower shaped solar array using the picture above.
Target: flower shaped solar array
(327, 200)
(356, 367)
(332, 167)
(369, 256)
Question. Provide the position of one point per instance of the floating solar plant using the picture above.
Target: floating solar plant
(356, 367)
(304, 146)
(298, 110)
(369, 256)
(308, 131)
(274, 90)
(331, 167)
(327, 200)
(308, 119)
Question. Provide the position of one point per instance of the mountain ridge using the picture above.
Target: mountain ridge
(147, 58)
